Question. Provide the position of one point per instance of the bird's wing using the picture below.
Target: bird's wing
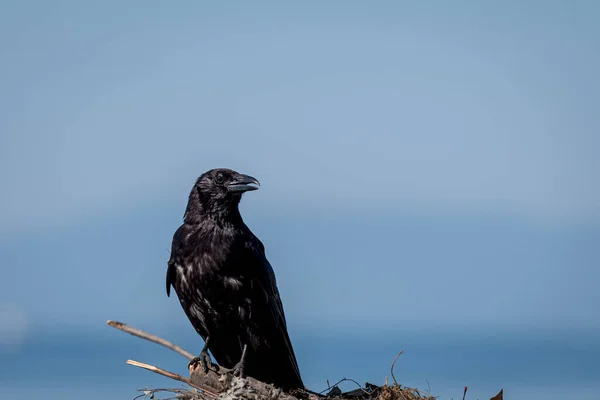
(268, 283)
(171, 269)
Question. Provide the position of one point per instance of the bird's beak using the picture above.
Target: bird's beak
(243, 183)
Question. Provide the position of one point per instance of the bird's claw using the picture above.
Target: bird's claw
(238, 370)
(204, 360)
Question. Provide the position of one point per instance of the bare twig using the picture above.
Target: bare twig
(392, 367)
(332, 386)
(171, 375)
(340, 381)
(148, 336)
(160, 371)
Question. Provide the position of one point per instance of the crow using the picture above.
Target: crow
(226, 285)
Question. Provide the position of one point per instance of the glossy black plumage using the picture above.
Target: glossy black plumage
(226, 285)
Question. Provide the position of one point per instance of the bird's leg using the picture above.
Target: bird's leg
(203, 358)
(238, 370)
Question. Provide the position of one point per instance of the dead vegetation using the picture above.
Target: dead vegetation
(221, 384)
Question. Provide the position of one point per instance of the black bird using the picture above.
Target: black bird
(226, 285)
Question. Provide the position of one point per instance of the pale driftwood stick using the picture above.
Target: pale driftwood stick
(148, 336)
(392, 367)
(160, 371)
(171, 375)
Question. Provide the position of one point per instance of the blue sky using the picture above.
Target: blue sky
(425, 167)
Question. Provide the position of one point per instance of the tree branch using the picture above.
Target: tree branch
(148, 336)
(171, 375)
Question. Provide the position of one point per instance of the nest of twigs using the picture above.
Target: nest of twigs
(395, 392)
(222, 384)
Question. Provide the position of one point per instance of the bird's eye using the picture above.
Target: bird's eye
(219, 178)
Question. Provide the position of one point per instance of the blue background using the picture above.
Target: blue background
(428, 171)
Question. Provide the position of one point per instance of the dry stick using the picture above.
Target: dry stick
(155, 339)
(392, 367)
(203, 378)
(336, 384)
(150, 337)
(171, 375)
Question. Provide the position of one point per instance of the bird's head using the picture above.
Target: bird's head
(218, 192)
